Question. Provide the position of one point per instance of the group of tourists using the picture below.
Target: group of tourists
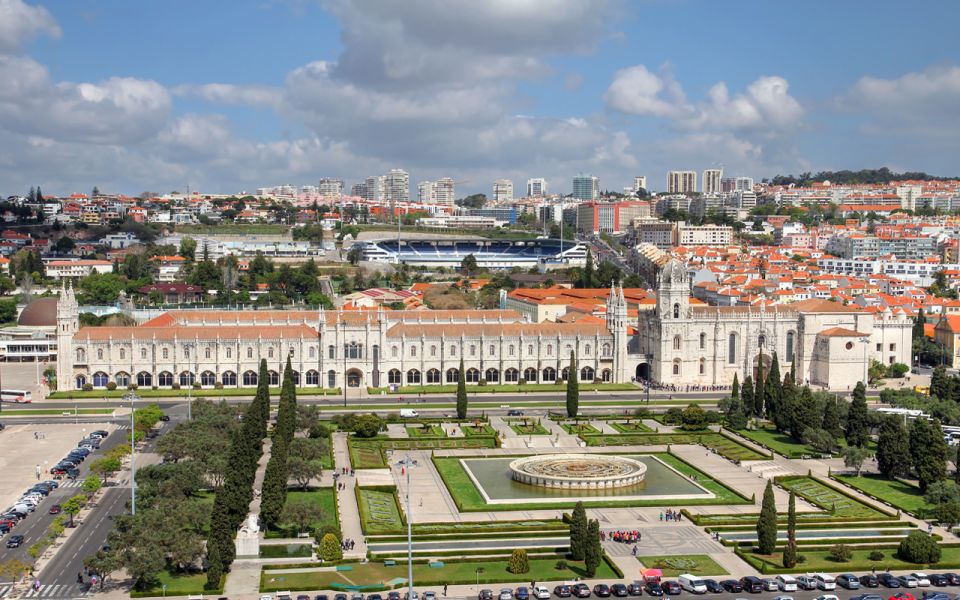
(671, 515)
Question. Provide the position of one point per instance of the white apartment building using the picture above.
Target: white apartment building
(704, 235)
(444, 191)
(639, 183)
(425, 192)
(374, 188)
(503, 190)
(711, 181)
(330, 187)
(908, 195)
(916, 272)
(58, 269)
(536, 187)
(744, 184)
(681, 182)
(396, 186)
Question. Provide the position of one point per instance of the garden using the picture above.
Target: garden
(674, 565)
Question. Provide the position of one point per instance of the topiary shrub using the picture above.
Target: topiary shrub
(875, 556)
(518, 561)
(561, 565)
(841, 553)
(482, 382)
(132, 386)
(330, 548)
(87, 387)
(919, 548)
(196, 385)
(112, 385)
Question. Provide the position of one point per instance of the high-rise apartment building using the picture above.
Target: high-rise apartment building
(374, 188)
(610, 217)
(586, 187)
(639, 183)
(359, 190)
(444, 192)
(681, 182)
(536, 187)
(425, 192)
(711, 181)
(503, 190)
(396, 186)
(744, 184)
(728, 184)
(330, 187)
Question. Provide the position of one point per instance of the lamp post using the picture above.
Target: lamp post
(407, 464)
(866, 377)
(132, 397)
(479, 570)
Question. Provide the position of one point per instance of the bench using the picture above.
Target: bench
(344, 568)
(436, 565)
(389, 563)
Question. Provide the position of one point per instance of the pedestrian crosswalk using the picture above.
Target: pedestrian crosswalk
(5, 590)
(58, 590)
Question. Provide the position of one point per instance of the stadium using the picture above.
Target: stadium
(543, 254)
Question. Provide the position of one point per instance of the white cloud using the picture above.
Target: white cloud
(227, 93)
(926, 102)
(20, 22)
(637, 91)
(766, 105)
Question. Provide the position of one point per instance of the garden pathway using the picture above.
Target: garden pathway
(350, 526)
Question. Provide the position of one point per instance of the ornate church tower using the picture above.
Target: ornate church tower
(617, 324)
(68, 323)
(671, 323)
(673, 291)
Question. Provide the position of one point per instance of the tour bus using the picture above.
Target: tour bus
(17, 396)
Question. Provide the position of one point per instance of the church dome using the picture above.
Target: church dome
(41, 312)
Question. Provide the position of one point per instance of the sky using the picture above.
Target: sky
(224, 97)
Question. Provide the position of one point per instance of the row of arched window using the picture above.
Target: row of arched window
(606, 350)
(187, 378)
(81, 353)
(733, 343)
(511, 375)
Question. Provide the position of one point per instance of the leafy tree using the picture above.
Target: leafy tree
(101, 288)
(91, 485)
(831, 418)
(790, 552)
(461, 392)
(820, 440)
(330, 549)
(893, 448)
(367, 426)
(928, 451)
(188, 248)
(841, 553)
(941, 385)
(468, 266)
(948, 514)
(105, 467)
(518, 563)
(573, 388)
(941, 491)
(73, 506)
(853, 457)
(594, 552)
(693, 418)
(578, 532)
(767, 523)
(302, 514)
(806, 414)
(858, 427)
(919, 548)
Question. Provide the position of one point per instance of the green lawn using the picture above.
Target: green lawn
(829, 499)
(468, 498)
(577, 428)
(369, 453)
(531, 428)
(415, 431)
(820, 560)
(723, 445)
(673, 565)
(325, 497)
(379, 512)
(782, 443)
(903, 495)
(474, 431)
(178, 584)
(374, 575)
(631, 427)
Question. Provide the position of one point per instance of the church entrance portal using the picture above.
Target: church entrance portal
(643, 371)
(354, 377)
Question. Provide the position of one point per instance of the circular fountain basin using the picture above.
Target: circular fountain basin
(578, 471)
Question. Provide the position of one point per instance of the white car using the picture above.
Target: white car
(506, 594)
(909, 581)
(922, 579)
(541, 593)
(783, 598)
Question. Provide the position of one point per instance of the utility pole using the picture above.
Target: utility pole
(132, 397)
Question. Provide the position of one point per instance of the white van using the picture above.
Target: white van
(825, 581)
(787, 583)
(692, 584)
(408, 413)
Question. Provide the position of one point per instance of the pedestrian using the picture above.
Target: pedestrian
(444, 589)
(79, 578)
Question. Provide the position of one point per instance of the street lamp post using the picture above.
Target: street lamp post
(866, 379)
(132, 397)
(407, 464)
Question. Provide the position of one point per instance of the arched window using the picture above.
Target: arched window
(676, 342)
(511, 375)
(549, 374)
(395, 377)
(100, 379)
(453, 350)
(493, 349)
(186, 351)
(122, 379)
(790, 341)
(331, 378)
(123, 354)
(165, 353)
(206, 354)
(249, 352)
(530, 374)
(207, 378)
(549, 349)
(676, 311)
(492, 375)
(565, 373)
(676, 367)
(530, 349)
(274, 377)
(605, 376)
(703, 366)
(99, 354)
(143, 354)
(81, 381)
(144, 379)
(762, 341)
(186, 378)
(249, 378)
(433, 376)
(452, 375)
(165, 379)
(270, 352)
(313, 378)
(473, 350)
(586, 374)
(394, 352)
(511, 350)
(229, 352)
(413, 376)
(472, 376)
(228, 378)
(81, 355)
(312, 353)
(703, 341)
(587, 349)
(732, 349)
(606, 349)
(433, 351)
(295, 375)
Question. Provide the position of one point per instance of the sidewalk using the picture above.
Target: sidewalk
(350, 526)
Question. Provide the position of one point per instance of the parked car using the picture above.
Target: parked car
(888, 580)
(520, 594)
(751, 584)
(867, 597)
(731, 585)
(15, 541)
(712, 586)
(869, 581)
(783, 598)
(806, 582)
(787, 583)
(936, 596)
(390, 596)
(541, 593)
(652, 588)
(561, 591)
(849, 581)
(922, 579)
(954, 578)
(429, 595)
(908, 581)
(619, 590)
(671, 588)
(826, 597)
(939, 579)
(164, 418)
(580, 590)
(902, 596)
(483, 595)
(770, 585)
(635, 588)
(601, 590)
(514, 413)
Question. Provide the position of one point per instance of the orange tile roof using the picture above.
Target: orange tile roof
(231, 332)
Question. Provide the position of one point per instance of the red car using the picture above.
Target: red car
(56, 510)
(902, 596)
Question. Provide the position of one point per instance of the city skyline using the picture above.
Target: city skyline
(463, 91)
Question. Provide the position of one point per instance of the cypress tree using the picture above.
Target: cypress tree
(586, 281)
(893, 448)
(759, 397)
(767, 523)
(461, 393)
(918, 324)
(772, 390)
(858, 428)
(746, 396)
(928, 451)
(214, 567)
(806, 414)
(790, 552)
(831, 418)
(788, 403)
(578, 532)
(736, 419)
(735, 388)
(573, 387)
(262, 398)
(594, 552)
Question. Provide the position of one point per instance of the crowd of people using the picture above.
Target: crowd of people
(669, 387)
(671, 515)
